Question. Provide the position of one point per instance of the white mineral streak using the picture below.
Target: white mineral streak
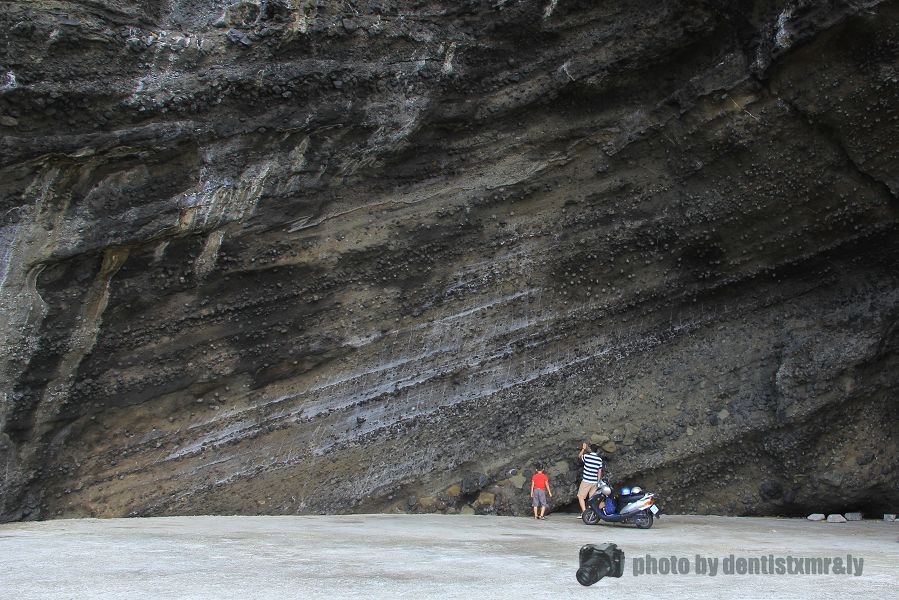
(547, 13)
(206, 261)
(159, 251)
(218, 203)
(782, 38)
(448, 59)
(9, 82)
(8, 235)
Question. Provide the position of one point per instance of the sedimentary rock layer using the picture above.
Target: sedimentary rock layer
(302, 256)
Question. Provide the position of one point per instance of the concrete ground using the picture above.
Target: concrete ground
(426, 556)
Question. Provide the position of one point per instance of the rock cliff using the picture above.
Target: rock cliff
(297, 256)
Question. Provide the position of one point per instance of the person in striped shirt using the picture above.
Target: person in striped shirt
(592, 472)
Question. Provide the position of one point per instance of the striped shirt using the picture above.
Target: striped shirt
(592, 465)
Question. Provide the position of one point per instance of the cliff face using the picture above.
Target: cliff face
(304, 256)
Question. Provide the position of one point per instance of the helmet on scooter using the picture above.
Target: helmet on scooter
(606, 490)
(625, 491)
(636, 490)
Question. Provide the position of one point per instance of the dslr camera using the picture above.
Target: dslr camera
(598, 561)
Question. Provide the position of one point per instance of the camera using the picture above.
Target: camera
(598, 561)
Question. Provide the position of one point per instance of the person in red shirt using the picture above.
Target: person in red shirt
(539, 490)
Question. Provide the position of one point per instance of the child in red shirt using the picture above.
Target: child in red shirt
(539, 490)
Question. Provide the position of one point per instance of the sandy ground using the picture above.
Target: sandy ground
(426, 556)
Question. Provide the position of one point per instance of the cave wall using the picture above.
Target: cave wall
(300, 256)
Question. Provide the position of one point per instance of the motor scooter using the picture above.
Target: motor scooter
(636, 507)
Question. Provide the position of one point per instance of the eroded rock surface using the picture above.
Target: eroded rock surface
(292, 256)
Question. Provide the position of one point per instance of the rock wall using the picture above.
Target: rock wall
(305, 256)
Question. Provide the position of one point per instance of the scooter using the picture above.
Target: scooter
(637, 507)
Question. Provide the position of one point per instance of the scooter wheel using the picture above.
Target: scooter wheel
(589, 517)
(643, 520)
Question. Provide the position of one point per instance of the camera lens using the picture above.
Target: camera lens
(587, 576)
